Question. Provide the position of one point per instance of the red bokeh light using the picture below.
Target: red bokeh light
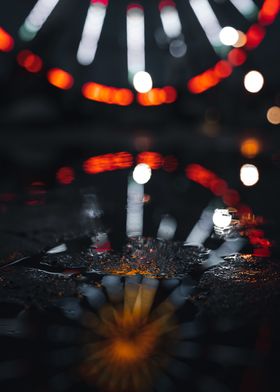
(269, 11)
(6, 41)
(223, 69)
(65, 175)
(170, 163)
(237, 57)
(157, 96)
(111, 95)
(30, 61)
(153, 159)
(60, 78)
(254, 35)
(108, 162)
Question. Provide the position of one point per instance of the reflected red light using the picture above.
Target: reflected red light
(65, 175)
(134, 6)
(108, 162)
(166, 3)
(237, 57)
(170, 163)
(153, 159)
(254, 35)
(199, 174)
(171, 94)
(218, 187)
(111, 95)
(231, 197)
(103, 2)
(6, 197)
(60, 78)
(30, 61)
(262, 252)
(6, 41)
(223, 69)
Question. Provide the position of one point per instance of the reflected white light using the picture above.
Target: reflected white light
(135, 31)
(170, 21)
(207, 20)
(245, 7)
(249, 174)
(167, 228)
(222, 218)
(37, 17)
(273, 115)
(91, 33)
(142, 173)
(142, 82)
(201, 229)
(253, 81)
(177, 48)
(134, 217)
(229, 36)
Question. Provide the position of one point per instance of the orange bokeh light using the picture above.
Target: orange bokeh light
(111, 95)
(108, 162)
(269, 11)
(60, 78)
(250, 147)
(157, 96)
(153, 159)
(6, 41)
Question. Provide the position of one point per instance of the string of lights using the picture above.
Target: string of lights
(233, 47)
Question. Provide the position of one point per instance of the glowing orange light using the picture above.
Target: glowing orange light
(223, 69)
(203, 82)
(65, 175)
(111, 95)
(237, 57)
(250, 148)
(108, 162)
(30, 61)
(157, 96)
(60, 78)
(254, 35)
(153, 159)
(6, 41)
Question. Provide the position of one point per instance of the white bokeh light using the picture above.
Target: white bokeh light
(249, 174)
(229, 36)
(253, 81)
(222, 218)
(142, 82)
(142, 173)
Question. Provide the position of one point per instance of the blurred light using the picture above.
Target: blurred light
(157, 96)
(170, 19)
(142, 173)
(200, 83)
(30, 61)
(37, 17)
(237, 57)
(167, 228)
(170, 163)
(242, 40)
(108, 162)
(207, 20)
(246, 7)
(6, 41)
(253, 81)
(60, 78)
(91, 32)
(222, 218)
(65, 175)
(111, 95)
(223, 69)
(250, 148)
(254, 36)
(142, 82)
(249, 174)
(228, 36)
(269, 11)
(273, 115)
(135, 205)
(177, 48)
(152, 159)
(135, 30)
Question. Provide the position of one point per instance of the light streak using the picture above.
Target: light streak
(135, 30)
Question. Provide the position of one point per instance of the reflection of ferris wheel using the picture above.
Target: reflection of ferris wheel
(223, 30)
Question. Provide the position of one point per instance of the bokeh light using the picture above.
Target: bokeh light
(142, 173)
(222, 218)
(253, 81)
(6, 41)
(142, 82)
(273, 115)
(60, 78)
(249, 174)
(229, 36)
(250, 147)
